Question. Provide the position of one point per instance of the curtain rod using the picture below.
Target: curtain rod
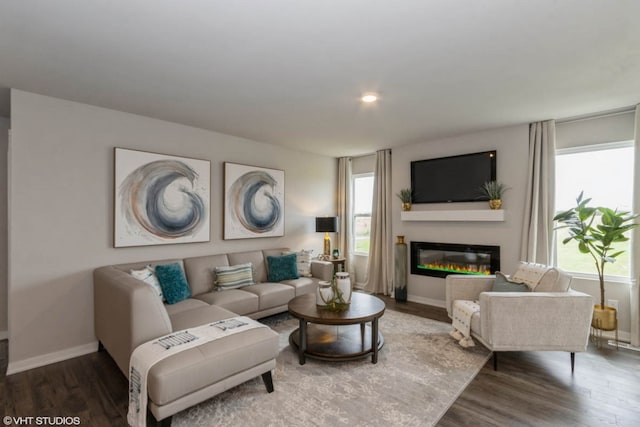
(610, 113)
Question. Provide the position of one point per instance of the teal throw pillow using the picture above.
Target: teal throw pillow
(502, 284)
(282, 267)
(173, 283)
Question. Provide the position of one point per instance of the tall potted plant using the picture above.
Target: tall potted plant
(597, 239)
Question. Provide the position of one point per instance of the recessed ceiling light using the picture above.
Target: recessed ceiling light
(369, 98)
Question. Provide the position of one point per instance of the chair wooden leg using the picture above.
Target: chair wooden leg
(573, 361)
(268, 381)
(495, 360)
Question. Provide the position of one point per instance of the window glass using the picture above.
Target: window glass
(362, 204)
(605, 174)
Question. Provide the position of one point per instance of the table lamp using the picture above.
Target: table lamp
(326, 225)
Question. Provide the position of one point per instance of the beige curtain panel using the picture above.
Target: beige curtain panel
(537, 228)
(380, 265)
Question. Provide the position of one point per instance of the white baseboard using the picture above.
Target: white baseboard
(4, 335)
(427, 301)
(47, 359)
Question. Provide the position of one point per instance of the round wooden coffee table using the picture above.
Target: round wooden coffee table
(328, 335)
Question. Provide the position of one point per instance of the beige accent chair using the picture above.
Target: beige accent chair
(552, 317)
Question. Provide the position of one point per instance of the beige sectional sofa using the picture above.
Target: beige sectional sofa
(129, 313)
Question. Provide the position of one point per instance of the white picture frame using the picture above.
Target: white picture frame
(254, 201)
(160, 199)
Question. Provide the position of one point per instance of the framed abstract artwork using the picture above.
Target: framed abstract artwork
(254, 202)
(160, 199)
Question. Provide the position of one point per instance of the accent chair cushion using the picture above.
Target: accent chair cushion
(530, 273)
(282, 267)
(503, 284)
(173, 282)
(234, 276)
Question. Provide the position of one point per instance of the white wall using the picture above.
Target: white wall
(512, 150)
(61, 211)
(4, 144)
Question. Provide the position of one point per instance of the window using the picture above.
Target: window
(362, 204)
(605, 173)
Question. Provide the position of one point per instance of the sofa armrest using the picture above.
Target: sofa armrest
(322, 270)
(515, 321)
(127, 313)
(465, 287)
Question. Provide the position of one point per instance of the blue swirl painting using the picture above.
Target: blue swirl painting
(254, 202)
(160, 199)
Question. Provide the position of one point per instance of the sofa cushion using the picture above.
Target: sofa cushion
(302, 285)
(198, 367)
(503, 284)
(271, 295)
(234, 276)
(256, 259)
(283, 267)
(200, 274)
(184, 305)
(236, 300)
(198, 316)
(173, 282)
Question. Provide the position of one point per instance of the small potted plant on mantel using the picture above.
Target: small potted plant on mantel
(597, 239)
(405, 197)
(493, 190)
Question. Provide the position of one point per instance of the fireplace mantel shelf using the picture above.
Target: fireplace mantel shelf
(454, 215)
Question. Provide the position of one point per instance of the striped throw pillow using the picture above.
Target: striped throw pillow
(235, 276)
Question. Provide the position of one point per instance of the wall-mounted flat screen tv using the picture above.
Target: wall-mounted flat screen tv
(452, 179)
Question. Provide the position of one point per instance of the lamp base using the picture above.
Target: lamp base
(327, 246)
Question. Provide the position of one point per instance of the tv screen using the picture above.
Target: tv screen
(452, 179)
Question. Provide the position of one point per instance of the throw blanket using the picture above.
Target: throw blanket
(462, 312)
(148, 354)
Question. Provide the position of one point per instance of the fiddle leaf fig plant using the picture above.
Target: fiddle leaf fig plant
(596, 238)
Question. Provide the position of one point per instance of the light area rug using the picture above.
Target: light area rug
(420, 372)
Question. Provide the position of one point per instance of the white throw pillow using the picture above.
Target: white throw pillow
(303, 262)
(148, 276)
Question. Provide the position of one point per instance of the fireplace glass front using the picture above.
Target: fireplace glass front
(442, 259)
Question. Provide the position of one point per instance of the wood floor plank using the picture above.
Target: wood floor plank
(529, 388)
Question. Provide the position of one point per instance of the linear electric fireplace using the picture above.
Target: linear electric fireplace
(442, 259)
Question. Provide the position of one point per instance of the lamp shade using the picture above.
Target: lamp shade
(326, 224)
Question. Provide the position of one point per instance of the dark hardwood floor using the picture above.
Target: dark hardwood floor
(529, 388)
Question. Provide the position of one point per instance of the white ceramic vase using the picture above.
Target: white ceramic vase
(324, 293)
(344, 285)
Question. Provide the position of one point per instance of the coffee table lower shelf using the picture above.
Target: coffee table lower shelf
(336, 343)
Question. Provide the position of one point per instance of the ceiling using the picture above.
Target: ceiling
(290, 72)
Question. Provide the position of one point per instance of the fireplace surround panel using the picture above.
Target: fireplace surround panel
(441, 259)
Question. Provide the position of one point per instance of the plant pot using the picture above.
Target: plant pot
(495, 204)
(406, 207)
(605, 319)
